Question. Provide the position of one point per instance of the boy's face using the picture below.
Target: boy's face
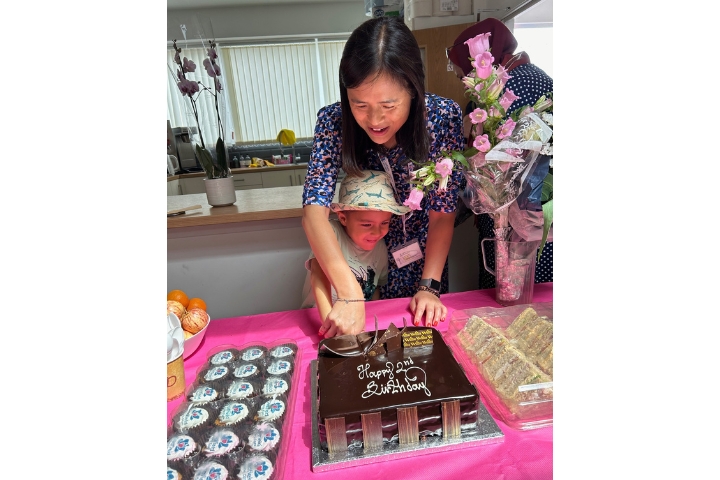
(365, 227)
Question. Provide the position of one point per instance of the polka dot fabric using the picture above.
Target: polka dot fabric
(445, 129)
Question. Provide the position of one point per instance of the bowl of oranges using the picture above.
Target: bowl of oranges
(193, 316)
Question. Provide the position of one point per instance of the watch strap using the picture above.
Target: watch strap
(430, 283)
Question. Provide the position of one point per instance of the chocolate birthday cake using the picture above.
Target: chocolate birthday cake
(391, 386)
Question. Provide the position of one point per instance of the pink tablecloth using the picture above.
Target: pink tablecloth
(522, 454)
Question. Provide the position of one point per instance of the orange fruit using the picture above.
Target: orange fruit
(179, 296)
(197, 303)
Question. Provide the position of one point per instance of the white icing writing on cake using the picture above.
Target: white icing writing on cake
(406, 383)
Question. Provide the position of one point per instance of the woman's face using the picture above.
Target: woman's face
(380, 106)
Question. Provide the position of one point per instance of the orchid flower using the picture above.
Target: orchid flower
(188, 65)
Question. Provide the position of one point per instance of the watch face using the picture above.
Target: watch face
(430, 282)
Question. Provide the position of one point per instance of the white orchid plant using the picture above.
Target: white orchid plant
(193, 89)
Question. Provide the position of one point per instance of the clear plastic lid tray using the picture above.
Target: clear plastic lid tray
(507, 353)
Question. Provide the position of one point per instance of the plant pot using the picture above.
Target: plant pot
(220, 191)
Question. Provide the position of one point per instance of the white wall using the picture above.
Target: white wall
(269, 19)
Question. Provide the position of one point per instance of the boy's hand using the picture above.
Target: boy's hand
(428, 305)
(344, 319)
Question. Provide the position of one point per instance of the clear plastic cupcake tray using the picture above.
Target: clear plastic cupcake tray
(241, 401)
(511, 366)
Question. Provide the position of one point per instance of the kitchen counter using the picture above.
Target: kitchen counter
(251, 205)
(240, 171)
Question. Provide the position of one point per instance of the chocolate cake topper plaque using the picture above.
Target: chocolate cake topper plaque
(364, 343)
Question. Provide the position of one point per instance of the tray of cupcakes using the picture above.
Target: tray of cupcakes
(231, 423)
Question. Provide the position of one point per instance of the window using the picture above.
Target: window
(268, 87)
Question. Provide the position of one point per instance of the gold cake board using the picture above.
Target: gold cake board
(487, 432)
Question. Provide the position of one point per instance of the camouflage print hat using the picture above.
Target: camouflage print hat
(370, 191)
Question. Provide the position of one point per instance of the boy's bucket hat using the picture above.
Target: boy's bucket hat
(370, 191)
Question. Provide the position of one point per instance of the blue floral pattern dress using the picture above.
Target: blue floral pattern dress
(444, 123)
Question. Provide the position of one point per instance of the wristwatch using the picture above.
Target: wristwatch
(430, 283)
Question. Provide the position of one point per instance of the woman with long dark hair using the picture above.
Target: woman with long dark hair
(384, 120)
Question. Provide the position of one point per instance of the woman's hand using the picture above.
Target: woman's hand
(428, 305)
(344, 319)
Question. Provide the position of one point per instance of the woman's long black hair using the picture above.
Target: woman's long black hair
(383, 46)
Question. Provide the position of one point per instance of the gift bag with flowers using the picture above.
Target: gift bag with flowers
(508, 170)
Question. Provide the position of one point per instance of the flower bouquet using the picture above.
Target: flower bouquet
(507, 168)
(193, 89)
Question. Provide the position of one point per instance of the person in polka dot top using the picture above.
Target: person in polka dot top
(529, 83)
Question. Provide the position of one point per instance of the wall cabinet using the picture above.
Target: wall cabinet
(192, 185)
(173, 187)
(283, 178)
(247, 181)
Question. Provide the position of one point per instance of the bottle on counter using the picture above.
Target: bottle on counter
(235, 162)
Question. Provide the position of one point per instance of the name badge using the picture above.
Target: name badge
(408, 253)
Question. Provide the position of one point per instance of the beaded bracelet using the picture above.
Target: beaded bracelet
(423, 288)
(349, 300)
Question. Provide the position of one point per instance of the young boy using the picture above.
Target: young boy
(366, 205)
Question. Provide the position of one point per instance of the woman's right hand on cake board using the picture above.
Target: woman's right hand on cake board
(344, 319)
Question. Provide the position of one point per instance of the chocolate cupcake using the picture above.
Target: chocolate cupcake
(181, 447)
(254, 353)
(263, 437)
(247, 370)
(259, 466)
(193, 419)
(279, 367)
(286, 350)
(241, 389)
(233, 412)
(276, 384)
(177, 472)
(224, 357)
(213, 374)
(203, 394)
(214, 468)
(222, 442)
(270, 408)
